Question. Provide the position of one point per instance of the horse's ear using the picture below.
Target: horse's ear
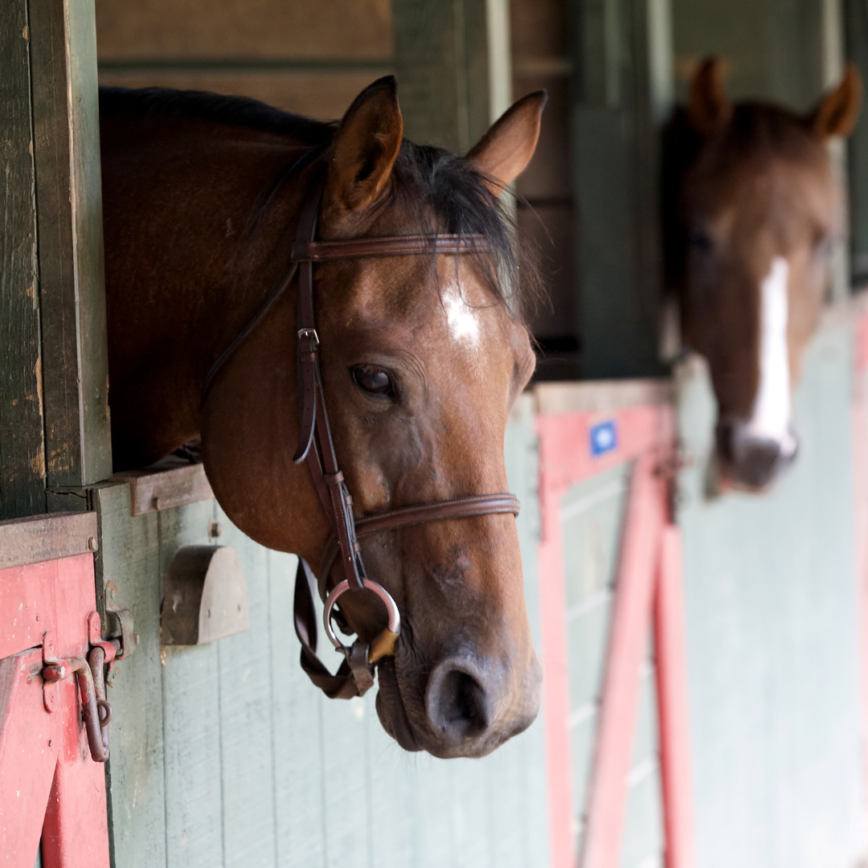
(365, 148)
(838, 111)
(503, 153)
(709, 108)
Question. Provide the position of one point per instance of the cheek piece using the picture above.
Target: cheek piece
(316, 447)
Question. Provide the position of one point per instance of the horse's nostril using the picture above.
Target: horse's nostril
(759, 462)
(458, 707)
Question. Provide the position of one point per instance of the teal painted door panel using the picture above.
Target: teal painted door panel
(226, 755)
(592, 515)
(773, 650)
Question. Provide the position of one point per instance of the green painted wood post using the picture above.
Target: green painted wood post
(856, 30)
(54, 425)
(622, 93)
(22, 456)
(453, 70)
(69, 217)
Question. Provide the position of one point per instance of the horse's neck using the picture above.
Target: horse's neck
(194, 245)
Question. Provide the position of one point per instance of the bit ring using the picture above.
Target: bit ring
(342, 588)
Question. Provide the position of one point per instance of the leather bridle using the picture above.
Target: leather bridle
(356, 673)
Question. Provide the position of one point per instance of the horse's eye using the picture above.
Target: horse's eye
(700, 240)
(373, 380)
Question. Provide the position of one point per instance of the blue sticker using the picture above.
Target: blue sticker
(604, 438)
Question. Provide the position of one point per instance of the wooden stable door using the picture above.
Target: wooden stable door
(50, 787)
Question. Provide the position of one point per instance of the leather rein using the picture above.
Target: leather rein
(316, 447)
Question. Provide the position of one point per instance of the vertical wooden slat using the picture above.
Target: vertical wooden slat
(622, 91)
(296, 713)
(128, 577)
(68, 192)
(670, 641)
(22, 457)
(452, 68)
(191, 721)
(246, 737)
(628, 636)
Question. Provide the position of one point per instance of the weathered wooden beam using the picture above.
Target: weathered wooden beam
(69, 201)
(46, 538)
(22, 456)
(156, 489)
(453, 69)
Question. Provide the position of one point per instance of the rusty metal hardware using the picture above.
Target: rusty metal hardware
(90, 674)
(119, 634)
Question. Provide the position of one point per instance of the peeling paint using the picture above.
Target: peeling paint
(26, 33)
(37, 368)
(37, 464)
(31, 291)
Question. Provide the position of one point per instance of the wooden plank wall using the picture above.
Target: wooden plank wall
(22, 455)
(226, 755)
(773, 643)
(309, 58)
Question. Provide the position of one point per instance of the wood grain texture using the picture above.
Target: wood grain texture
(236, 28)
(69, 200)
(155, 490)
(298, 746)
(195, 817)
(128, 577)
(22, 456)
(442, 65)
(246, 727)
(45, 538)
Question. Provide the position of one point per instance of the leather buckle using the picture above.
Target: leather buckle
(311, 335)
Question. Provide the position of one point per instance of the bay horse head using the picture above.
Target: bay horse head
(421, 358)
(753, 217)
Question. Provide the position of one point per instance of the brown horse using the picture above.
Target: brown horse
(422, 357)
(751, 216)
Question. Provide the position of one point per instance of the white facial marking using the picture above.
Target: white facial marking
(771, 413)
(462, 319)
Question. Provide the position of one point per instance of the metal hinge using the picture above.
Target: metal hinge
(119, 642)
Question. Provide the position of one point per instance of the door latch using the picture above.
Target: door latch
(90, 674)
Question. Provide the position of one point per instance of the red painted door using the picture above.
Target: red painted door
(50, 787)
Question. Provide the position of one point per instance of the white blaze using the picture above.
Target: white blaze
(771, 413)
(462, 319)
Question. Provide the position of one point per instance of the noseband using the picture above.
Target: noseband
(356, 673)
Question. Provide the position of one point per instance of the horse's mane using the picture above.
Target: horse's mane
(442, 192)
(199, 105)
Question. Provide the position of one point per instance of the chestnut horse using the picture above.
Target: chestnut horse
(751, 216)
(422, 357)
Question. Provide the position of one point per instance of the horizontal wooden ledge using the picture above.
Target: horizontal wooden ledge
(601, 395)
(165, 486)
(48, 537)
(222, 65)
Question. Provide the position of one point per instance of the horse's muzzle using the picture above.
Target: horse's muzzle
(750, 461)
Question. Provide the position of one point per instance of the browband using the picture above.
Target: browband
(388, 245)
